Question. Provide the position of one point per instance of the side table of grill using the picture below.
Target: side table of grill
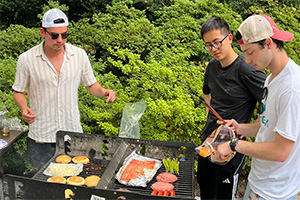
(14, 135)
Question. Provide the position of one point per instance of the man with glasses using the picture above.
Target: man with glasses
(52, 72)
(232, 87)
(275, 171)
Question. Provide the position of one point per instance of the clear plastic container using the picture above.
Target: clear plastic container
(3, 122)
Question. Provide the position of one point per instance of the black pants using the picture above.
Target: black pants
(219, 181)
(39, 153)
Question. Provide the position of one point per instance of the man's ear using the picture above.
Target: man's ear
(42, 32)
(230, 37)
(269, 43)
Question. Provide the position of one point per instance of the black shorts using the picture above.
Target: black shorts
(219, 181)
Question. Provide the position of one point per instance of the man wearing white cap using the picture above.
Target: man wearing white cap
(275, 171)
(52, 72)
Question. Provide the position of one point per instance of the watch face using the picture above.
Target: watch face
(233, 143)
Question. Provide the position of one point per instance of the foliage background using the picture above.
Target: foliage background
(140, 49)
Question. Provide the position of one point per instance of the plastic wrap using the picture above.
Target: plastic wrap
(137, 170)
(15, 124)
(209, 146)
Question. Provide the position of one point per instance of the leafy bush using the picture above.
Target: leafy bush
(17, 39)
(242, 6)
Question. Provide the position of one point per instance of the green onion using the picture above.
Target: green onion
(172, 166)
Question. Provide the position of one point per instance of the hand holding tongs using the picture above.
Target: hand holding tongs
(208, 106)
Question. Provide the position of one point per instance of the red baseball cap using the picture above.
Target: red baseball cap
(259, 27)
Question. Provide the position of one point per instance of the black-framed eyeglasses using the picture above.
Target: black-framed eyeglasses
(262, 105)
(54, 36)
(217, 45)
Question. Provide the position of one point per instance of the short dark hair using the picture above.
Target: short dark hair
(262, 43)
(215, 23)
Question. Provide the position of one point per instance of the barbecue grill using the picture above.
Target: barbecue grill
(106, 156)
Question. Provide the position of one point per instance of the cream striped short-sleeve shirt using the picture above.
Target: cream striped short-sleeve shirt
(53, 99)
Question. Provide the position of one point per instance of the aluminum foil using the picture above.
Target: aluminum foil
(142, 180)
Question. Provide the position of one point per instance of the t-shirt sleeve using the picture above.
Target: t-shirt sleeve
(22, 75)
(254, 80)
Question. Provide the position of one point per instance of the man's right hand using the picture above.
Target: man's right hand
(28, 115)
(231, 123)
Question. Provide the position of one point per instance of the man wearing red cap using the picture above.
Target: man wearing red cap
(52, 72)
(275, 171)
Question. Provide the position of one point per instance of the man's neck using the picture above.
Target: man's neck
(50, 53)
(230, 58)
(278, 63)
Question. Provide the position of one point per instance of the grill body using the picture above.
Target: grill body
(106, 156)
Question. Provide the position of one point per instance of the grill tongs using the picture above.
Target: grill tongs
(200, 99)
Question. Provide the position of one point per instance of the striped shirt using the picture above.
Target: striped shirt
(53, 99)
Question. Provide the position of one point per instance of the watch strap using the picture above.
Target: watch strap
(233, 143)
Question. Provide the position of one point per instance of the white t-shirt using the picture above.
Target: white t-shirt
(54, 100)
(279, 180)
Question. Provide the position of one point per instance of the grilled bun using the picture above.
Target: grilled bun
(75, 180)
(92, 180)
(63, 159)
(57, 179)
(81, 159)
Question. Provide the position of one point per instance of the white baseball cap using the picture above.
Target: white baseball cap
(54, 18)
(259, 27)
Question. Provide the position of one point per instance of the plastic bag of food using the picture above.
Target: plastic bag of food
(209, 146)
(131, 115)
(137, 170)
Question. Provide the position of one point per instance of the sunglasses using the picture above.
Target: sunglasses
(54, 36)
(262, 106)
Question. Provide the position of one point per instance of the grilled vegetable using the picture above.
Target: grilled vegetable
(171, 166)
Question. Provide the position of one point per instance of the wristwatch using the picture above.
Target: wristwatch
(233, 143)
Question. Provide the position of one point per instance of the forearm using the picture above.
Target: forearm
(27, 114)
(266, 150)
(96, 90)
(20, 100)
(207, 98)
(249, 130)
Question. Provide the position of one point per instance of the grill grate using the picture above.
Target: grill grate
(183, 186)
